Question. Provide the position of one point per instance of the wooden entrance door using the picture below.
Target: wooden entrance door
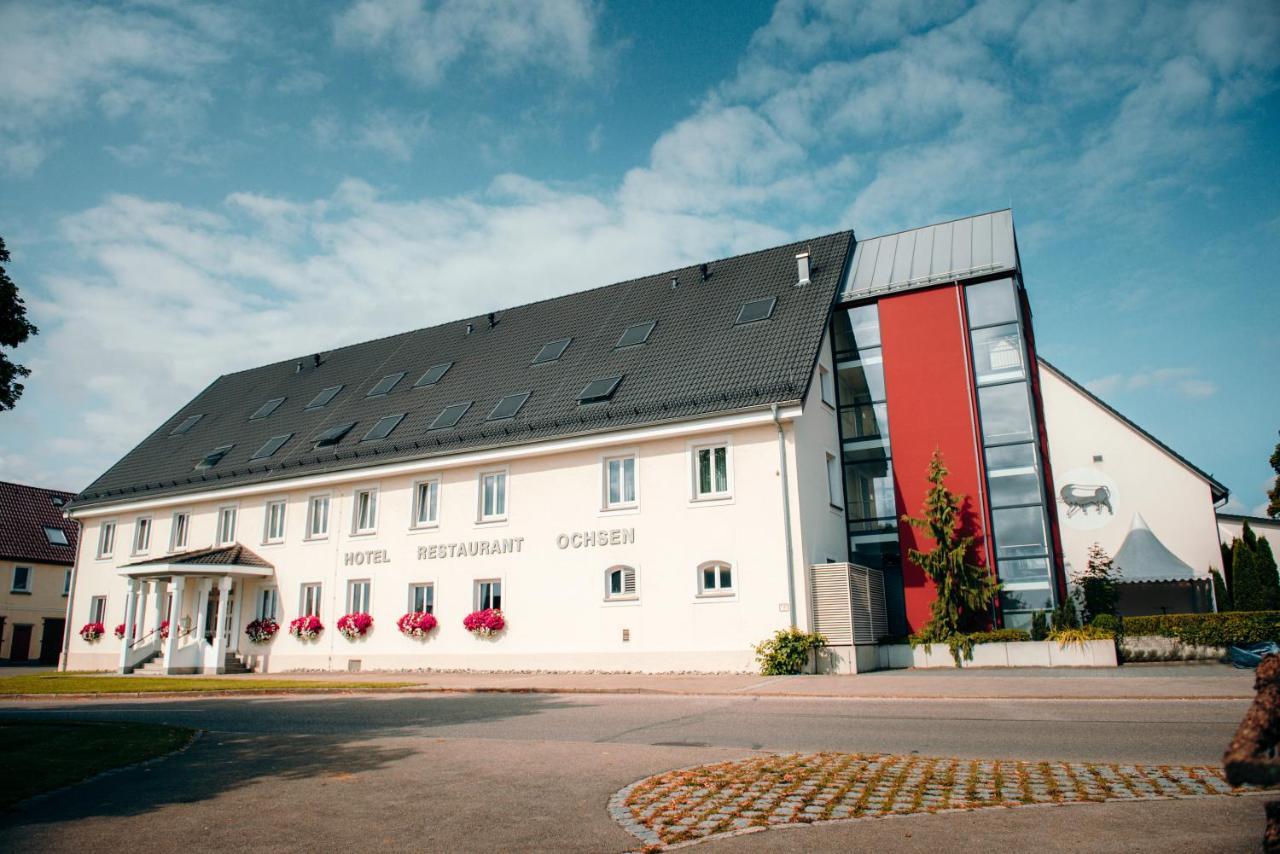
(51, 640)
(20, 648)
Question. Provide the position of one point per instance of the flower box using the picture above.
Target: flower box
(484, 624)
(119, 632)
(306, 628)
(417, 624)
(262, 630)
(355, 626)
(164, 630)
(92, 631)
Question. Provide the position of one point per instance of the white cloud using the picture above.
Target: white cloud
(1183, 381)
(555, 35)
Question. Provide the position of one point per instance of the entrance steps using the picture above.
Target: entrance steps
(153, 665)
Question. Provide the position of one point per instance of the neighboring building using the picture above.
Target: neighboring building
(1231, 527)
(1146, 506)
(37, 553)
(644, 476)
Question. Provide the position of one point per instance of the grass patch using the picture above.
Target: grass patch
(44, 755)
(87, 683)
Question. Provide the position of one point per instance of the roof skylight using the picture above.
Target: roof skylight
(597, 390)
(214, 457)
(450, 416)
(334, 434)
(434, 374)
(636, 333)
(551, 351)
(267, 408)
(272, 445)
(508, 406)
(756, 309)
(186, 425)
(56, 537)
(385, 384)
(323, 398)
(382, 427)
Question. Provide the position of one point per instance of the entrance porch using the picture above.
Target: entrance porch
(182, 610)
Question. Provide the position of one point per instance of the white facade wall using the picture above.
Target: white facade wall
(553, 597)
(1231, 529)
(1139, 476)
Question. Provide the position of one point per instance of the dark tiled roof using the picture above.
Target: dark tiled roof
(1216, 489)
(235, 555)
(25, 511)
(697, 362)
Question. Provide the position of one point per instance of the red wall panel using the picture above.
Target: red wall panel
(931, 405)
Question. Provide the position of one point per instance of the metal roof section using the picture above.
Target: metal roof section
(945, 252)
(1142, 557)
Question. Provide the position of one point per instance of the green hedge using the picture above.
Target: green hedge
(1000, 636)
(1232, 627)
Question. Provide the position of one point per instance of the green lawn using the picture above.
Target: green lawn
(89, 683)
(44, 755)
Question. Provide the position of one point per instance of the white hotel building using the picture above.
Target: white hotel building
(646, 476)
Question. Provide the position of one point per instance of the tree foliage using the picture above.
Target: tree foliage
(1273, 494)
(1254, 583)
(964, 591)
(1221, 595)
(1096, 585)
(14, 329)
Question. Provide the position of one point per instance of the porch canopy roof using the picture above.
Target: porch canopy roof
(234, 560)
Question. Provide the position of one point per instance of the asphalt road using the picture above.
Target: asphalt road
(534, 771)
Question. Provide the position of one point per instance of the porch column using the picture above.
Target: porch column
(130, 602)
(140, 610)
(202, 619)
(160, 588)
(219, 664)
(175, 625)
(235, 616)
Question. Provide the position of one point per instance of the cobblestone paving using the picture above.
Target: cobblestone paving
(690, 805)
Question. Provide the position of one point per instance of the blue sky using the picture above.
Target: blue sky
(191, 189)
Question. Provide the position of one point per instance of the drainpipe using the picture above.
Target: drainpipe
(786, 516)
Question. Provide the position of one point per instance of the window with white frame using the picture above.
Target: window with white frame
(310, 600)
(98, 609)
(226, 525)
(318, 517)
(142, 536)
(426, 503)
(21, 580)
(267, 601)
(620, 482)
(620, 583)
(488, 594)
(711, 471)
(179, 531)
(835, 490)
(715, 578)
(274, 522)
(107, 539)
(66, 583)
(493, 495)
(358, 596)
(422, 598)
(364, 511)
(826, 387)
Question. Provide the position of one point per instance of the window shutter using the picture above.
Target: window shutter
(628, 581)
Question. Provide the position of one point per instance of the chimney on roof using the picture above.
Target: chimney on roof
(297, 369)
(315, 360)
(469, 328)
(493, 320)
(675, 282)
(802, 269)
(704, 271)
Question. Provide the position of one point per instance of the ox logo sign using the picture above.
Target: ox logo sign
(1088, 499)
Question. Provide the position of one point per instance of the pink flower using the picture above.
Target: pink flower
(164, 629)
(484, 623)
(355, 626)
(306, 628)
(262, 630)
(417, 624)
(92, 631)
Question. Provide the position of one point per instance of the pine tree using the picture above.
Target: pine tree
(1097, 584)
(1273, 494)
(1226, 566)
(1220, 594)
(964, 591)
(1249, 591)
(1264, 563)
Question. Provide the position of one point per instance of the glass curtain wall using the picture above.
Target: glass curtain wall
(870, 506)
(1015, 481)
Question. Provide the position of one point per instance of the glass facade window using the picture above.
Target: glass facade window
(997, 354)
(1006, 414)
(992, 302)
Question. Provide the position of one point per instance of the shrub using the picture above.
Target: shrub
(262, 630)
(1097, 584)
(416, 624)
(1080, 634)
(1108, 623)
(787, 652)
(484, 623)
(1039, 626)
(1254, 583)
(1065, 616)
(1000, 636)
(1230, 629)
(355, 626)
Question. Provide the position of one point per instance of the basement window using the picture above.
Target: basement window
(508, 406)
(552, 351)
(598, 390)
(214, 457)
(450, 416)
(434, 374)
(186, 425)
(334, 434)
(636, 333)
(756, 310)
(267, 408)
(323, 398)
